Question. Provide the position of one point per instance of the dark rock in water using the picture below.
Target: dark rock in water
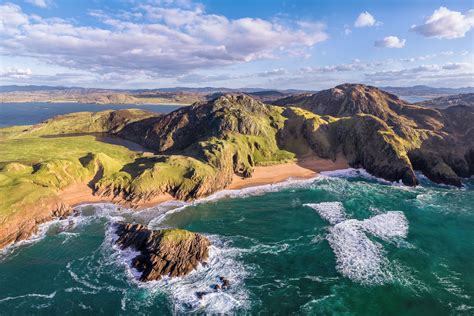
(173, 252)
(225, 284)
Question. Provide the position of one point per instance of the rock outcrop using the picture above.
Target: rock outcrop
(23, 224)
(167, 252)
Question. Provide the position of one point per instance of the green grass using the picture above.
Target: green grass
(175, 235)
(35, 167)
(32, 150)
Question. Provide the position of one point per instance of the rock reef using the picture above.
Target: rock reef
(166, 252)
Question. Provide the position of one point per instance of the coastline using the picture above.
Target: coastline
(26, 222)
(305, 168)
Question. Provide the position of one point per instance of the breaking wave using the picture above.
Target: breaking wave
(333, 212)
(357, 256)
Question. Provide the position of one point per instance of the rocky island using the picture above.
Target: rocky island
(190, 153)
(167, 252)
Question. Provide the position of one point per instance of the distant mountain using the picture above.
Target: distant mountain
(181, 95)
(426, 91)
(466, 99)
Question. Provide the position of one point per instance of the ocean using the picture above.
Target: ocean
(341, 243)
(35, 112)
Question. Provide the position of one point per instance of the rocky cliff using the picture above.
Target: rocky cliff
(390, 137)
(167, 252)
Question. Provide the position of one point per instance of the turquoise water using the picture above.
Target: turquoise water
(383, 250)
(35, 112)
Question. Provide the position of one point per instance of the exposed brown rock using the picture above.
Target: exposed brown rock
(167, 252)
(22, 225)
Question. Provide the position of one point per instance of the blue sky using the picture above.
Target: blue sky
(269, 44)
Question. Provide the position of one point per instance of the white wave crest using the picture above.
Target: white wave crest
(32, 295)
(333, 212)
(387, 226)
(358, 172)
(357, 257)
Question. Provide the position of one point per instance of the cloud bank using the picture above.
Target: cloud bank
(163, 41)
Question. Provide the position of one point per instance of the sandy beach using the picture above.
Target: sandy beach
(305, 168)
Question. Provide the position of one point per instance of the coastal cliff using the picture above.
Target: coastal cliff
(198, 150)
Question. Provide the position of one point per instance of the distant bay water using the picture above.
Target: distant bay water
(414, 99)
(35, 112)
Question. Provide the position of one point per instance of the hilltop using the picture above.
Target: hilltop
(198, 150)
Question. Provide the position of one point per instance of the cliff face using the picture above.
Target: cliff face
(391, 138)
(167, 252)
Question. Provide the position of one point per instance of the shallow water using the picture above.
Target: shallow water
(29, 113)
(383, 249)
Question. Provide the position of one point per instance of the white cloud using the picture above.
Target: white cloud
(167, 41)
(390, 42)
(40, 3)
(444, 23)
(365, 19)
(273, 73)
(17, 73)
(429, 71)
(455, 66)
(353, 66)
(11, 18)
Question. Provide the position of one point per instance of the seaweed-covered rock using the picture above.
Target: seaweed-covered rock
(166, 252)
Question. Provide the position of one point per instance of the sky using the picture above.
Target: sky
(130, 44)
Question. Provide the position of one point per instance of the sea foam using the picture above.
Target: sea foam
(333, 212)
(358, 257)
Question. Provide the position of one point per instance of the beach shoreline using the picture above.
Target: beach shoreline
(306, 168)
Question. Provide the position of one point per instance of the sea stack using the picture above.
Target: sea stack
(167, 252)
